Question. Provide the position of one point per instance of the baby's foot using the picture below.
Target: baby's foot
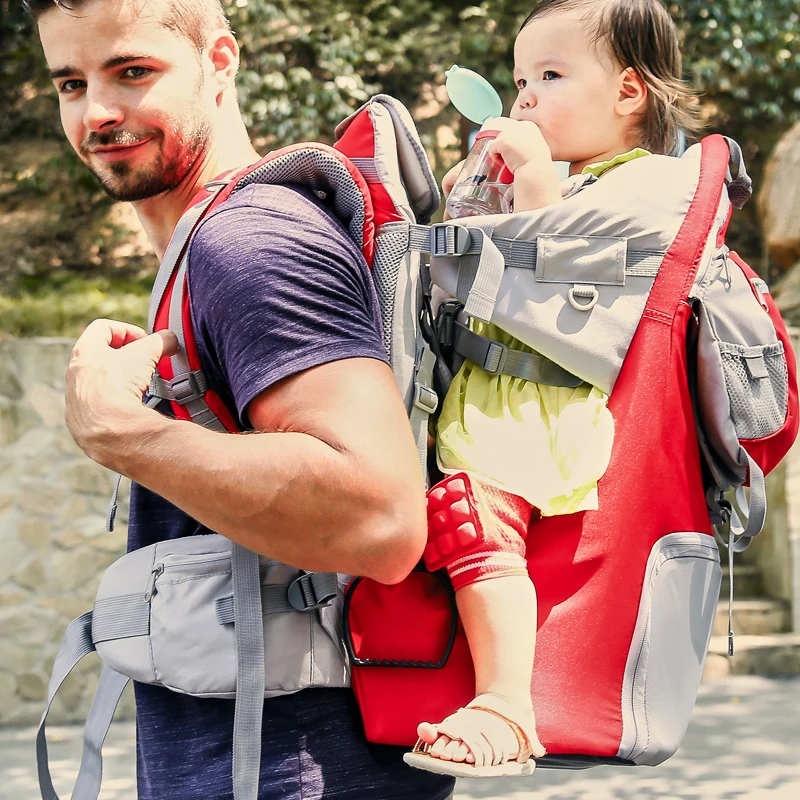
(476, 736)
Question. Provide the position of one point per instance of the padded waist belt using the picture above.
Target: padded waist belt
(199, 615)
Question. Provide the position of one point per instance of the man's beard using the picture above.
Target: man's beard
(122, 181)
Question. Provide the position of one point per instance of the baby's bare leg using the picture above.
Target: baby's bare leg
(499, 617)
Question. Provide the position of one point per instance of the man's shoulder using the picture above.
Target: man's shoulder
(288, 212)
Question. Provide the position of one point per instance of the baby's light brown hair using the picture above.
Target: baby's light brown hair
(641, 34)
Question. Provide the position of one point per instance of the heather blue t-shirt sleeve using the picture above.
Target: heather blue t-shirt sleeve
(276, 287)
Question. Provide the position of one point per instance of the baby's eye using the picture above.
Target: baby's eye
(550, 75)
(521, 83)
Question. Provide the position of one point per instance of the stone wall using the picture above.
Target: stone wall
(53, 542)
(54, 546)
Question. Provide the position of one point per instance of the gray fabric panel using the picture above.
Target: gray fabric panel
(366, 166)
(668, 649)
(120, 617)
(77, 643)
(250, 678)
(106, 700)
(601, 259)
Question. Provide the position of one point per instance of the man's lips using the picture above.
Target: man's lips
(118, 152)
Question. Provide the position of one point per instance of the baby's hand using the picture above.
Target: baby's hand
(519, 142)
(449, 180)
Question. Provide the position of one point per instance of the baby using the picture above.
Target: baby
(599, 84)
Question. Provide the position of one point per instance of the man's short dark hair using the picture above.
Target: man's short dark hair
(192, 19)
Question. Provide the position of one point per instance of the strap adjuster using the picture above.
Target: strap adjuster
(303, 595)
(425, 398)
(186, 389)
(449, 240)
(495, 359)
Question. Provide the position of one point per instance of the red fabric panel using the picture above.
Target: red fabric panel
(358, 141)
(769, 451)
(413, 623)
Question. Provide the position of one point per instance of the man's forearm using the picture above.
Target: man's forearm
(286, 495)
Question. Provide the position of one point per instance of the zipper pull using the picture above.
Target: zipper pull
(151, 583)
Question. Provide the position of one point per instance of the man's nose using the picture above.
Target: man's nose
(101, 113)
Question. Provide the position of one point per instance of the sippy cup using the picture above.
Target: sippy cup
(485, 184)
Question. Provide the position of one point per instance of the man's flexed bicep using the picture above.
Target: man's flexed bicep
(355, 492)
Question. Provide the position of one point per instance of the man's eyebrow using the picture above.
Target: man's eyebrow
(112, 63)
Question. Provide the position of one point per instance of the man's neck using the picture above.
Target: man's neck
(160, 214)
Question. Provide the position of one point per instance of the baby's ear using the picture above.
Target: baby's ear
(632, 92)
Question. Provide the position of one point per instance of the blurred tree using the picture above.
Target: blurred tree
(308, 63)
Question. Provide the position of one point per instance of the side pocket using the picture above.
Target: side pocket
(668, 649)
(757, 379)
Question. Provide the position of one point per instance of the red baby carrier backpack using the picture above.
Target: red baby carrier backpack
(627, 594)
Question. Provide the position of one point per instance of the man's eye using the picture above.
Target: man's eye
(136, 72)
(549, 75)
(68, 87)
(521, 84)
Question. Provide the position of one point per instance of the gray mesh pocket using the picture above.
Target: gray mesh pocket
(757, 381)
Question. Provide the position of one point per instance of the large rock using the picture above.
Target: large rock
(779, 200)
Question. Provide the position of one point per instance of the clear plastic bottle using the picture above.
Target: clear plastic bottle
(485, 185)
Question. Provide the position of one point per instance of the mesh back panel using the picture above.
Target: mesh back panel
(390, 249)
(322, 172)
(758, 405)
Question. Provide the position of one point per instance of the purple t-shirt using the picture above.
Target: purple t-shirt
(276, 287)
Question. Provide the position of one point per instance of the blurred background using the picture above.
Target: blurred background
(69, 254)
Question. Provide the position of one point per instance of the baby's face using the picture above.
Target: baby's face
(569, 87)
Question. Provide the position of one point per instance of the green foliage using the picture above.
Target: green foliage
(64, 306)
(307, 64)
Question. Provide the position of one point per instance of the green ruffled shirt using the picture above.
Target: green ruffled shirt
(547, 444)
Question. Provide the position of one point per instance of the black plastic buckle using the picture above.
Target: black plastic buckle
(446, 318)
(449, 240)
(186, 389)
(302, 594)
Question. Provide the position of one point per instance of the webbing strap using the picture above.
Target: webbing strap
(111, 514)
(315, 590)
(747, 517)
(425, 402)
(77, 643)
(250, 677)
(106, 700)
(517, 253)
(480, 282)
(121, 617)
(497, 358)
(172, 255)
(192, 400)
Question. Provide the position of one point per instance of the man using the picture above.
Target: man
(287, 327)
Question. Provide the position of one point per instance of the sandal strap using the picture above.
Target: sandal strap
(523, 742)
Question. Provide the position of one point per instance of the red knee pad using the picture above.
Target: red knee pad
(454, 527)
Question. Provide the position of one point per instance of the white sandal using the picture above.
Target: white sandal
(522, 764)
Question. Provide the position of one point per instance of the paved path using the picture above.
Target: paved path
(744, 742)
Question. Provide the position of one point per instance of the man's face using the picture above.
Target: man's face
(132, 95)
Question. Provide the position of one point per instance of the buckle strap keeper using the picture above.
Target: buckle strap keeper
(182, 390)
(312, 590)
(449, 240)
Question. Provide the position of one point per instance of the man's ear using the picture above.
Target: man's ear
(223, 53)
(632, 93)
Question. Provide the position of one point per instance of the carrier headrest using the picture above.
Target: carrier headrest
(382, 140)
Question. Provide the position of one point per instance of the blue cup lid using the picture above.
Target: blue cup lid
(472, 95)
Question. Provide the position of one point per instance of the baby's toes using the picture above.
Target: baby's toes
(461, 753)
(427, 732)
(439, 747)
